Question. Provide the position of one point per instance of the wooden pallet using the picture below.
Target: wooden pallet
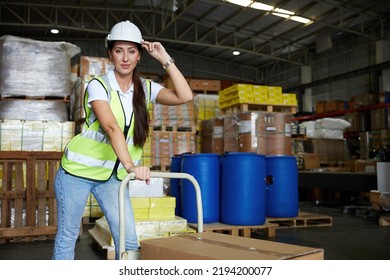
(259, 107)
(28, 205)
(174, 128)
(165, 168)
(26, 97)
(384, 220)
(299, 136)
(99, 243)
(303, 219)
(238, 230)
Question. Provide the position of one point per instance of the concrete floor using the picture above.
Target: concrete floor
(354, 235)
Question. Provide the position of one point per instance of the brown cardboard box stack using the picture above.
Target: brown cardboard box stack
(330, 151)
(90, 67)
(204, 85)
(173, 133)
(165, 144)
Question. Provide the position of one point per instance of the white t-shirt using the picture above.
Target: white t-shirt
(97, 92)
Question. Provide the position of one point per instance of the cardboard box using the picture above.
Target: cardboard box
(309, 161)
(205, 85)
(361, 165)
(216, 246)
(320, 107)
(138, 188)
(162, 213)
(334, 106)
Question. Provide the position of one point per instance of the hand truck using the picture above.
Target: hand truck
(154, 174)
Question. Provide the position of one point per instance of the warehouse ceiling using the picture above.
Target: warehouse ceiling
(208, 29)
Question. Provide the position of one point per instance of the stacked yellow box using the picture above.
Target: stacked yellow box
(162, 208)
(147, 152)
(140, 207)
(153, 208)
(145, 229)
(206, 107)
(236, 94)
(252, 94)
(154, 218)
(275, 95)
(260, 94)
(290, 99)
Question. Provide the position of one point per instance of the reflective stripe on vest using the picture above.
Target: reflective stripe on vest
(102, 138)
(90, 154)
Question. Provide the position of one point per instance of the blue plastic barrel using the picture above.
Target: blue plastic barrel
(175, 183)
(206, 170)
(243, 189)
(281, 186)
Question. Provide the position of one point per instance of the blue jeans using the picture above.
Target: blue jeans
(72, 193)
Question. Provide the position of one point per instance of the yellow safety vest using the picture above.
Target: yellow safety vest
(90, 154)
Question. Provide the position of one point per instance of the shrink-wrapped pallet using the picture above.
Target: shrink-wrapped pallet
(231, 125)
(212, 136)
(247, 138)
(17, 135)
(35, 68)
(33, 110)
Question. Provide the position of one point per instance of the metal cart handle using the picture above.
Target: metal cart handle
(154, 174)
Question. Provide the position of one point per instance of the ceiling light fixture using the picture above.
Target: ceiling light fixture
(274, 11)
(283, 11)
(261, 6)
(54, 31)
(244, 3)
(236, 52)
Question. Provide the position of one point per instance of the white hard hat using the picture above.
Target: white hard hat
(125, 31)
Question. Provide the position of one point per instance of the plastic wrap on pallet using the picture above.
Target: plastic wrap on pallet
(206, 106)
(247, 138)
(330, 123)
(330, 128)
(309, 126)
(212, 134)
(33, 110)
(328, 133)
(35, 68)
(231, 124)
(16, 135)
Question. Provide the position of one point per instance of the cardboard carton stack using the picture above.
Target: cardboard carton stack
(173, 133)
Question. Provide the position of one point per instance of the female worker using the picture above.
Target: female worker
(110, 146)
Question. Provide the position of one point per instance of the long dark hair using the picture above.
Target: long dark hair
(141, 115)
